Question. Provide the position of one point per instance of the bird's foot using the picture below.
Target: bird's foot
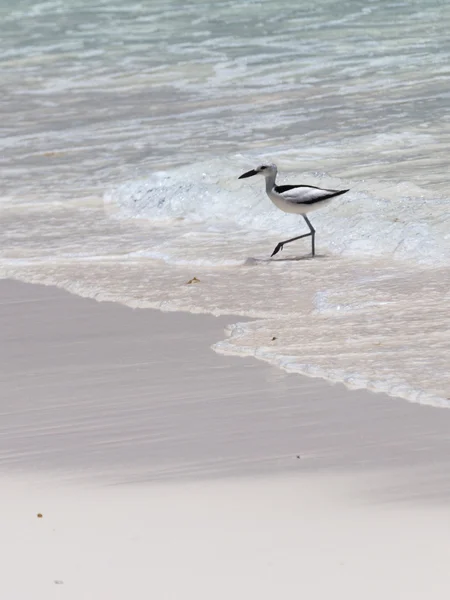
(277, 249)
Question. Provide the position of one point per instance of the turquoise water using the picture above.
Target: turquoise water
(356, 88)
(125, 127)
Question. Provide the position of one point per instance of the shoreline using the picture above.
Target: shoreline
(395, 344)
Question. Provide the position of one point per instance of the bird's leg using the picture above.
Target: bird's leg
(280, 245)
(312, 234)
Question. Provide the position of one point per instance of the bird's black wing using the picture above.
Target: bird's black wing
(311, 194)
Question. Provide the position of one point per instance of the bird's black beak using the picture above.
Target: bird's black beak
(248, 174)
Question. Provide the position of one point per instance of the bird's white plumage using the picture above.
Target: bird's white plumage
(295, 202)
(299, 199)
(303, 194)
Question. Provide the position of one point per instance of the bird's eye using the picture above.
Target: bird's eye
(262, 168)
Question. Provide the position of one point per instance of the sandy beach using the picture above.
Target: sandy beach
(163, 470)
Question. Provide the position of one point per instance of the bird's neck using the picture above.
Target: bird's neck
(270, 182)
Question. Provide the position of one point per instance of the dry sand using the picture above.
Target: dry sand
(164, 471)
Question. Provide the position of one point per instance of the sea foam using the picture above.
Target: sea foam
(373, 219)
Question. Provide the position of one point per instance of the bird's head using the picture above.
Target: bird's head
(269, 170)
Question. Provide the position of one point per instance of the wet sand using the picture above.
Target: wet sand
(162, 469)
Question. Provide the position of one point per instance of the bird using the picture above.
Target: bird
(297, 199)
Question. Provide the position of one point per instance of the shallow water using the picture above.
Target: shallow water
(124, 130)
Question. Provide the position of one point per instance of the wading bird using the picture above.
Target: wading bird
(298, 199)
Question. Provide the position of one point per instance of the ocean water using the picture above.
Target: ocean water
(124, 129)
